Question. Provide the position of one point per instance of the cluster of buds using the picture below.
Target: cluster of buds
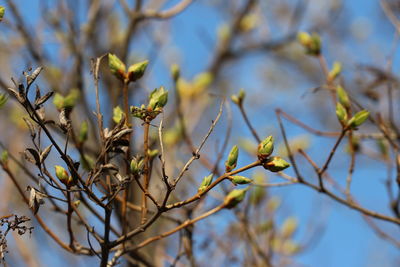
(64, 177)
(118, 68)
(273, 164)
(311, 43)
(157, 100)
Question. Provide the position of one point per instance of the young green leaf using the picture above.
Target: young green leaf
(341, 113)
(358, 119)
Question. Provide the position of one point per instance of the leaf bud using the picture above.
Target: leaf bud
(207, 180)
(234, 197)
(117, 67)
(136, 71)
(237, 179)
(231, 162)
(265, 148)
(276, 164)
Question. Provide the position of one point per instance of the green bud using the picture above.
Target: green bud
(343, 97)
(304, 38)
(157, 99)
(335, 71)
(238, 99)
(265, 148)
(62, 174)
(117, 67)
(311, 43)
(77, 203)
(235, 99)
(58, 101)
(383, 147)
(234, 197)
(203, 80)
(175, 72)
(224, 32)
(83, 132)
(207, 180)
(152, 153)
(2, 11)
(276, 164)
(241, 94)
(230, 164)
(136, 71)
(87, 162)
(289, 227)
(136, 166)
(273, 204)
(341, 113)
(3, 100)
(289, 247)
(237, 179)
(358, 119)
(117, 114)
(71, 99)
(248, 22)
(4, 156)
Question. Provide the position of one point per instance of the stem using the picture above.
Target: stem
(69, 218)
(146, 170)
(179, 227)
(246, 119)
(128, 152)
(105, 246)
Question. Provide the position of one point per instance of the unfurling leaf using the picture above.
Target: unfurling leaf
(358, 119)
(157, 99)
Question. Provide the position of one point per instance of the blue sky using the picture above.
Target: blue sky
(346, 241)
